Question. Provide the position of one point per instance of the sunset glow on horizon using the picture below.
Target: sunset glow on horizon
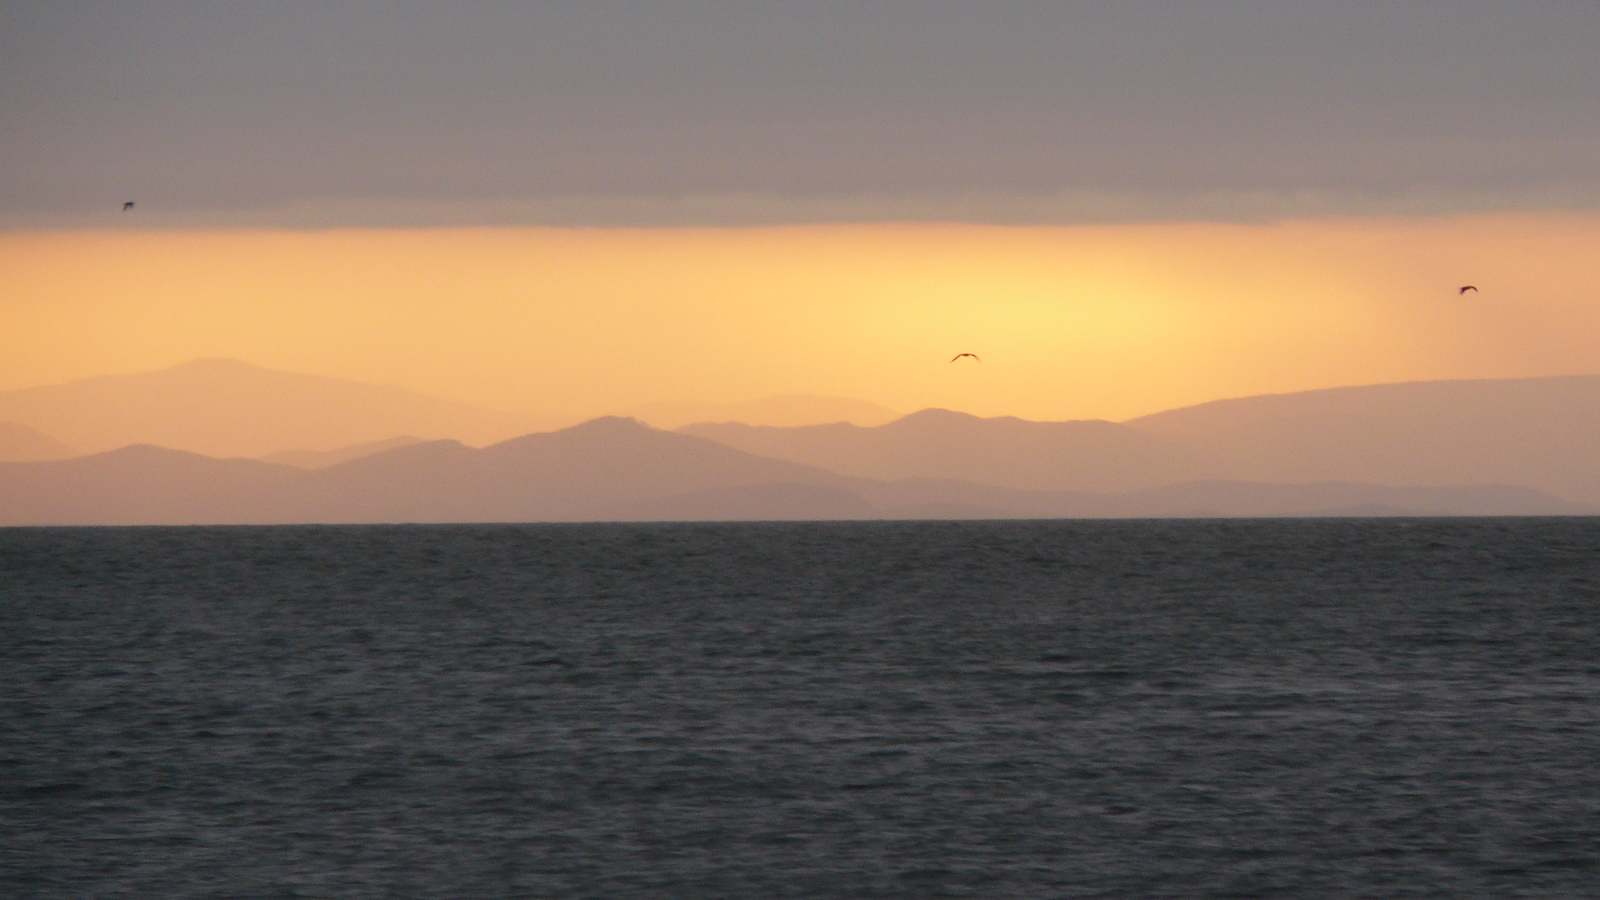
(686, 448)
(1071, 322)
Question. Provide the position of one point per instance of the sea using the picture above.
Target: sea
(1042, 709)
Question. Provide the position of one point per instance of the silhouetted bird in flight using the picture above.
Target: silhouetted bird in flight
(959, 355)
(127, 205)
(1468, 287)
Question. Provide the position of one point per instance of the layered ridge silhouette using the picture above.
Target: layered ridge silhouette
(321, 459)
(1520, 446)
(1542, 433)
(619, 469)
(19, 443)
(787, 410)
(1007, 452)
(224, 408)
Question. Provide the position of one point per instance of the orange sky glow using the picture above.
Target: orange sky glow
(1071, 322)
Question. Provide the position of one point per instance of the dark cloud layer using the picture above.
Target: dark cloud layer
(417, 113)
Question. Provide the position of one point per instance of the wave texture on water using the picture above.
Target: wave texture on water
(984, 709)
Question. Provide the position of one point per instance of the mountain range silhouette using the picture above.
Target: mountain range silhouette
(1542, 433)
(1513, 447)
(223, 407)
(620, 469)
(19, 443)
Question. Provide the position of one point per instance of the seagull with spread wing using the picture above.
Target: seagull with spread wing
(959, 355)
(1467, 287)
(127, 205)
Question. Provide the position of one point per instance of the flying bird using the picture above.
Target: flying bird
(959, 355)
(1468, 287)
(127, 205)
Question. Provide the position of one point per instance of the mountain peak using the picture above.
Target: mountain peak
(612, 423)
(935, 415)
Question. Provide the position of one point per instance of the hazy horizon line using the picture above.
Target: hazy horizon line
(632, 411)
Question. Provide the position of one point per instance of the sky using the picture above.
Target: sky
(581, 207)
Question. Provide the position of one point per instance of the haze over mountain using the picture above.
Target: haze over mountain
(137, 485)
(1542, 433)
(19, 443)
(321, 459)
(619, 469)
(575, 474)
(226, 408)
(1007, 452)
(788, 411)
(1518, 446)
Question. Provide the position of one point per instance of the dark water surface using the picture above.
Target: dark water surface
(1059, 709)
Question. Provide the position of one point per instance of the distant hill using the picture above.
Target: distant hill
(19, 443)
(620, 469)
(227, 408)
(786, 411)
(580, 473)
(1007, 452)
(138, 485)
(315, 459)
(591, 471)
(1540, 432)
